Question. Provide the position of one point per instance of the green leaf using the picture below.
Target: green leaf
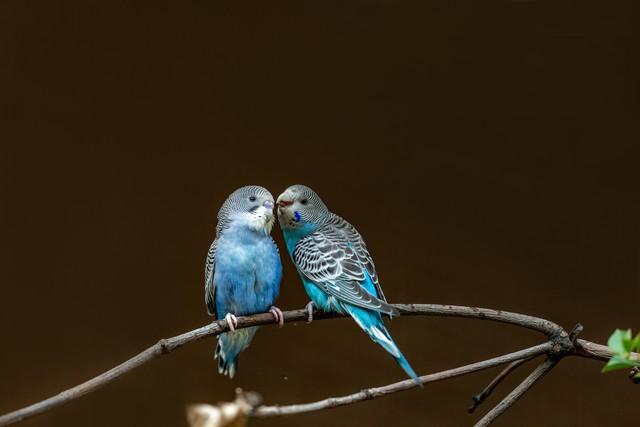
(619, 340)
(616, 363)
(628, 342)
(636, 343)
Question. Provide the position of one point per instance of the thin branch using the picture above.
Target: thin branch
(375, 392)
(530, 322)
(486, 392)
(164, 346)
(592, 350)
(540, 371)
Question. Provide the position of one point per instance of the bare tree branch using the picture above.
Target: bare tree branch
(486, 392)
(372, 393)
(561, 345)
(592, 350)
(540, 371)
(535, 323)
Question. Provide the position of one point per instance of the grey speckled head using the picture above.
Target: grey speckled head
(251, 203)
(300, 203)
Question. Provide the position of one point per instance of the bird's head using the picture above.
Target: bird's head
(251, 206)
(298, 206)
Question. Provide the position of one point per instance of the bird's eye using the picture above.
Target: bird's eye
(304, 201)
(252, 198)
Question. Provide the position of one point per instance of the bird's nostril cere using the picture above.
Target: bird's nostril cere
(284, 203)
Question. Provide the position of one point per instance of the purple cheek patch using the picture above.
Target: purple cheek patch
(297, 216)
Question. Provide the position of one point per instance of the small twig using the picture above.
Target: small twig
(564, 345)
(375, 392)
(480, 397)
(577, 330)
(540, 371)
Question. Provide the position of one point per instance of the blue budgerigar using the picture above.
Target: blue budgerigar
(336, 268)
(243, 270)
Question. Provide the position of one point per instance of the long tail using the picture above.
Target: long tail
(230, 344)
(371, 322)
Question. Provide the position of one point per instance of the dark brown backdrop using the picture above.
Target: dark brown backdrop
(486, 151)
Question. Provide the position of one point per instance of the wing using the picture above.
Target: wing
(209, 285)
(360, 248)
(338, 265)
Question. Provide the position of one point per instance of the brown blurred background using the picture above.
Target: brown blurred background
(487, 151)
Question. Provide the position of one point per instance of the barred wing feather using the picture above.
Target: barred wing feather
(336, 259)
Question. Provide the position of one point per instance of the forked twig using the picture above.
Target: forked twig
(540, 371)
(486, 392)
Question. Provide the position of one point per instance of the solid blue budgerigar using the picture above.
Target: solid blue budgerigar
(243, 270)
(335, 266)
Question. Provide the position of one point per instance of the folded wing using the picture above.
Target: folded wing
(337, 260)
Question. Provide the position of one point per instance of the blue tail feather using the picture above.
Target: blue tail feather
(371, 322)
(229, 346)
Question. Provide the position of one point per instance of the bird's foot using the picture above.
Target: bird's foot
(309, 308)
(232, 321)
(277, 313)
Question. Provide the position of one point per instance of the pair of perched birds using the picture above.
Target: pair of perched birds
(243, 268)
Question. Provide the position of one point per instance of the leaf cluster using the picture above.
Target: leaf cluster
(623, 344)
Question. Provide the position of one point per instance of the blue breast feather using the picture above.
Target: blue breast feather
(247, 277)
(248, 273)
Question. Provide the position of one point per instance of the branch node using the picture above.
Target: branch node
(368, 395)
(482, 396)
(163, 345)
(477, 400)
(249, 400)
(564, 343)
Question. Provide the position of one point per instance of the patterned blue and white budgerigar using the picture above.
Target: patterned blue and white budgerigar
(243, 270)
(335, 266)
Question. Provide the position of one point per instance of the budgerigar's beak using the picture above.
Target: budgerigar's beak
(284, 200)
(285, 209)
(284, 203)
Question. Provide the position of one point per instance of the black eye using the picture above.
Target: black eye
(304, 201)
(252, 198)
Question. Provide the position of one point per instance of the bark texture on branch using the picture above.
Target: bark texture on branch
(540, 371)
(559, 345)
(374, 392)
